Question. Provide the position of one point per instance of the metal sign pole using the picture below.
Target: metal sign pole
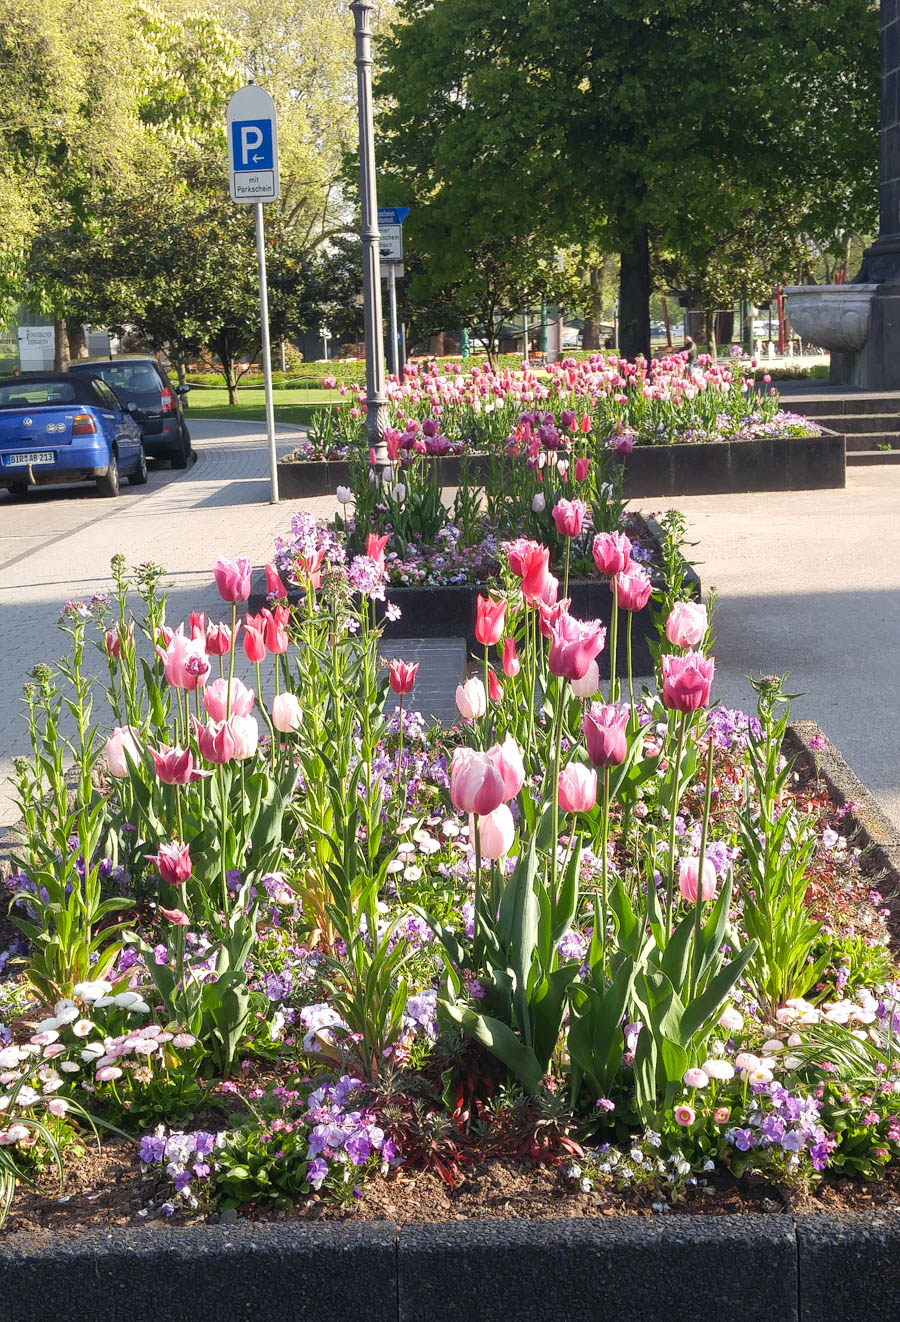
(392, 290)
(266, 353)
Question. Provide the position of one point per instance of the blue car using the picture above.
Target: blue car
(60, 428)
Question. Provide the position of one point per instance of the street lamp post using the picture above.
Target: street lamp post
(376, 415)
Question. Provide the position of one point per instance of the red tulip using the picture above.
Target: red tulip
(254, 643)
(511, 663)
(687, 680)
(402, 675)
(490, 618)
(573, 645)
(233, 578)
(633, 588)
(530, 561)
(275, 632)
(495, 688)
(274, 585)
(582, 467)
(375, 547)
(310, 564)
(604, 734)
(197, 622)
(218, 639)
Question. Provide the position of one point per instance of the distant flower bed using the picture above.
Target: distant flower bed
(618, 404)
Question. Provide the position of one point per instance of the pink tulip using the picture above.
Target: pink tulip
(233, 578)
(687, 680)
(197, 622)
(495, 688)
(173, 862)
(582, 467)
(215, 741)
(604, 734)
(577, 788)
(122, 740)
(185, 662)
(375, 547)
(507, 758)
(530, 561)
(568, 515)
(176, 916)
(511, 663)
(588, 686)
(688, 874)
(496, 832)
(245, 732)
(573, 645)
(471, 700)
(287, 714)
(633, 588)
(476, 784)
(490, 615)
(612, 552)
(687, 624)
(174, 766)
(215, 699)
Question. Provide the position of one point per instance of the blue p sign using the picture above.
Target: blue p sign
(251, 144)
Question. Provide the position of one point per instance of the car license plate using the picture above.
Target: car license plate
(25, 460)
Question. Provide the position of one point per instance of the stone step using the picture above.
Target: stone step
(872, 440)
(863, 458)
(859, 422)
(817, 406)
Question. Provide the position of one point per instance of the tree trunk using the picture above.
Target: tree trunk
(61, 352)
(590, 336)
(634, 298)
(436, 345)
(77, 342)
(709, 318)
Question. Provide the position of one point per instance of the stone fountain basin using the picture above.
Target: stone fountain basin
(832, 316)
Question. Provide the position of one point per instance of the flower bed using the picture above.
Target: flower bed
(434, 591)
(300, 950)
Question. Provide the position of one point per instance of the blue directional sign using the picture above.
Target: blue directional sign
(251, 144)
(392, 215)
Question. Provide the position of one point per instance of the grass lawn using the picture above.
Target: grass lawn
(293, 406)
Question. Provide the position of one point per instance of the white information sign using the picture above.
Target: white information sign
(252, 146)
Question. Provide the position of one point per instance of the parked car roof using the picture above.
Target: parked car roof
(10, 386)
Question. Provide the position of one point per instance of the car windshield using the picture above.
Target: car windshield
(25, 394)
(138, 378)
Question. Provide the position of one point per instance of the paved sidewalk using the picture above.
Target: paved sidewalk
(809, 582)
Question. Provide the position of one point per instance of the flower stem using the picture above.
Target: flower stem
(676, 776)
(613, 641)
(698, 907)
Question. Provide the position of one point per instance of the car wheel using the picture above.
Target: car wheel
(109, 485)
(139, 476)
(187, 439)
(179, 455)
(17, 490)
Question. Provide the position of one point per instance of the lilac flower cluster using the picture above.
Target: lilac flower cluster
(339, 1135)
(775, 1119)
(307, 538)
(731, 729)
(188, 1158)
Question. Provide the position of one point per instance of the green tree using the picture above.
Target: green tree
(675, 117)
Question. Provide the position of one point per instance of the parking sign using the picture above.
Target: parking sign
(252, 146)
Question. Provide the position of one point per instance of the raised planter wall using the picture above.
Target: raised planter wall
(806, 463)
(752, 1268)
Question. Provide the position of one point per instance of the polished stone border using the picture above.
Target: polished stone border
(801, 464)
